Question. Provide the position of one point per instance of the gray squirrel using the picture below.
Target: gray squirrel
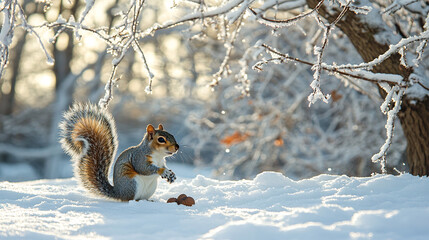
(88, 135)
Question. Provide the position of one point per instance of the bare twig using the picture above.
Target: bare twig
(148, 89)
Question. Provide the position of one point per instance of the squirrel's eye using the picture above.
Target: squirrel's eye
(161, 140)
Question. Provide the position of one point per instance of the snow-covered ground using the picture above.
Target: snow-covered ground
(271, 206)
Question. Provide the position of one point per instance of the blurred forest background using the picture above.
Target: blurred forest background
(224, 114)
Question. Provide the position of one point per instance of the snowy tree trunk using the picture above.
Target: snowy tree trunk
(414, 113)
(414, 119)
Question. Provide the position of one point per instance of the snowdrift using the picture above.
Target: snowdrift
(271, 206)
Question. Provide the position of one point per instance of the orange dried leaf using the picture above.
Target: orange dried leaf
(234, 138)
(278, 142)
(335, 96)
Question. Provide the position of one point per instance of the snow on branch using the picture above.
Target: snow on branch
(360, 74)
(318, 51)
(424, 36)
(88, 6)
(213, 12)
(397, 5)
(283, 5)
(108, 88)
(317, 93)
(12, 11)
(284, 23)
(224, 65)
(63, 24)
(394, 97)
(127, 37)
(30, 29)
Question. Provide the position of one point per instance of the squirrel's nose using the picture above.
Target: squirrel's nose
(176, 146)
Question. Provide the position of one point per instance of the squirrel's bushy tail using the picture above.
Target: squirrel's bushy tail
(88, 135)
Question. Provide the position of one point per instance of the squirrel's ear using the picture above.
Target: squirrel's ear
(160, 127)
(150, 131)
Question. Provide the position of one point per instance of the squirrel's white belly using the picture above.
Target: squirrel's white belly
(145, 186)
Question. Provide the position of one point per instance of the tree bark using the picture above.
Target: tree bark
(414, 113)
(414, 117)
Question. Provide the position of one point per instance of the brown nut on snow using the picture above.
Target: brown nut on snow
(189, 201)
(181, 197)
(170, 200)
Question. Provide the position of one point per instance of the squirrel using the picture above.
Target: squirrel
(88, 135)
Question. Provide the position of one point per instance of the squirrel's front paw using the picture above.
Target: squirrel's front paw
(169, 175)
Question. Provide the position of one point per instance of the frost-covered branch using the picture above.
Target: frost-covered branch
(397, 5)
(126, 38)
(282, 5)
(229, 46)
(71, 24)
(108, 94)
(394, 96)
(356, 74)
(404, 42)
(88, 6)
(12, 12)
(31, 30)
(318, 51)
(213, 12)
(284, 23)
(126, 35)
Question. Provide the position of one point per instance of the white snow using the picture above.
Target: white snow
(271, 206)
